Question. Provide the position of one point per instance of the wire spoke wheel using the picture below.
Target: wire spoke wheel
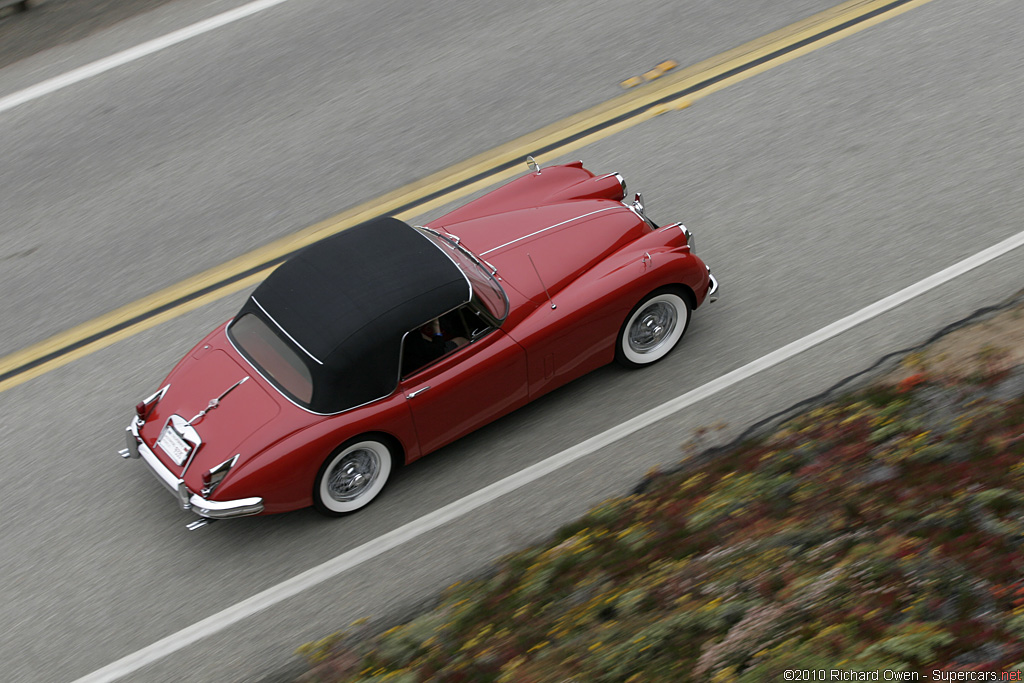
(352, 477)
(653, 329)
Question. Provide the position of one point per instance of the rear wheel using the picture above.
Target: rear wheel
(653, 328)
(353, 476)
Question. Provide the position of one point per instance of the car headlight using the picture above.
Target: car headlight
(216, 475)
(622, 183)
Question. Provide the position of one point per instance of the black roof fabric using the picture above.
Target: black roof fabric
(347, 300)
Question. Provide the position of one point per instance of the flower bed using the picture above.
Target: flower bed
(883, 531)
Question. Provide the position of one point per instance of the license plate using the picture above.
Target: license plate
(173, 444)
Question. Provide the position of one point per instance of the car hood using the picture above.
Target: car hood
(562, 241)
(204, 375)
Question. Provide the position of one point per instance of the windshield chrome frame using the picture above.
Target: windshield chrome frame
(486, 269)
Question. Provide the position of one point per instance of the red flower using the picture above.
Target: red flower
(910, 382)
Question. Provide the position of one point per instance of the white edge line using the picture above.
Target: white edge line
(393, 539)
(100, 66)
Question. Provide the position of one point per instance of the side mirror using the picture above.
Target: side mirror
(532, 164)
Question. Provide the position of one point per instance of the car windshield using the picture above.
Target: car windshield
(272, 356)
(485, 285)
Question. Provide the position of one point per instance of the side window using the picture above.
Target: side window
(441, 336)
(473, 324)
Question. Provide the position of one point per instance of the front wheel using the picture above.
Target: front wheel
(652, 329)
(352, 476)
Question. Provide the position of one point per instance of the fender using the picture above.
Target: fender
(578, 335)
(283, 473)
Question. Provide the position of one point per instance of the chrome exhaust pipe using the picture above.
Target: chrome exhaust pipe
(199, 523)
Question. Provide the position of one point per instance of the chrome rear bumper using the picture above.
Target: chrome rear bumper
(210, 509)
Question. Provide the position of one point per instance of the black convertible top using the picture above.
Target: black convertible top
(345, 302)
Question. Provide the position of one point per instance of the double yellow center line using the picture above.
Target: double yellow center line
(669, 93)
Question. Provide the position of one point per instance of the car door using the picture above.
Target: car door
(471, 386)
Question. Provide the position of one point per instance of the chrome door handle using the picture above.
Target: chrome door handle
(416, 393)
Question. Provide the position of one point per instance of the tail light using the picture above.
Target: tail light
(144, 407)
(216, 475)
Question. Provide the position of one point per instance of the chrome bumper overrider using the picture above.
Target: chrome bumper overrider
(712, 295)
(210, 509)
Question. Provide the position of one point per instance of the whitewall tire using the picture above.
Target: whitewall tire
(653, 328)
(353, 476)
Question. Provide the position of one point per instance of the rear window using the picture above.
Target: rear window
(275, 359)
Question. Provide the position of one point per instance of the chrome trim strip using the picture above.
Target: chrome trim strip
(519, 239)
(294, 341)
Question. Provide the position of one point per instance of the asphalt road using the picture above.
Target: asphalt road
(813, 189)
(59, 22)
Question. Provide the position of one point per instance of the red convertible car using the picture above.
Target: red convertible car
(384, 342)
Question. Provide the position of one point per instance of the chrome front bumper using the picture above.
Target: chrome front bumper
(210, 509)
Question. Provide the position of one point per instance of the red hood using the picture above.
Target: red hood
(205, 374)
(564, 240)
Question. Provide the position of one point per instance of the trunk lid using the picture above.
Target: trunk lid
(202, 376)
